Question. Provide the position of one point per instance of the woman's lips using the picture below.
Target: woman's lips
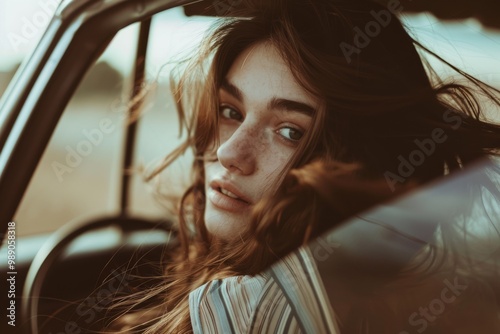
(226, 203)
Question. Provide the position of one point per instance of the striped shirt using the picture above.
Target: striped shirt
(287, 298)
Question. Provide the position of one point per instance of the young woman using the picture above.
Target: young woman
(302, 120)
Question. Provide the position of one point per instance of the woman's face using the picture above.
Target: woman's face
(263, 114)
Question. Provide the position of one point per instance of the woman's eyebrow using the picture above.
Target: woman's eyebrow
(232, 89)
(289, 105)
(275, 104)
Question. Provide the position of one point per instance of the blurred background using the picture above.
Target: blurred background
(89, 185)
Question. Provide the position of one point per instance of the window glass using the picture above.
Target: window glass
(173, 38)
(78, 175)
(22, 24)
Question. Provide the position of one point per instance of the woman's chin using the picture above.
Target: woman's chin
(225, 225)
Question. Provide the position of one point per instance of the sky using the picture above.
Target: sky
(22, 22)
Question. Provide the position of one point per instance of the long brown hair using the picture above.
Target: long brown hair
(376, 103)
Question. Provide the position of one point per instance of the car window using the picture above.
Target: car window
(79, 174)
(173, 38)
(464, 43)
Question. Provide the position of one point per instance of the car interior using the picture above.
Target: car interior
(64, 280)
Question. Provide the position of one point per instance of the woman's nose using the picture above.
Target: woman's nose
(238, 153)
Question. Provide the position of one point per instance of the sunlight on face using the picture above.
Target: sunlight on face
(263, 115)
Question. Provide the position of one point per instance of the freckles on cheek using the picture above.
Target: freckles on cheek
(277, 160)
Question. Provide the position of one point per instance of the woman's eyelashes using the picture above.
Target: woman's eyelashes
(291, 134)
(288, 133)
(230, 113)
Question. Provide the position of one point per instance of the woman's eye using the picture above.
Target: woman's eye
(230, 113)
(291, 134)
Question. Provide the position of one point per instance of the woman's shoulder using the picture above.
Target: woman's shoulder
(297, 278)
(287, 298)
(226, 305)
